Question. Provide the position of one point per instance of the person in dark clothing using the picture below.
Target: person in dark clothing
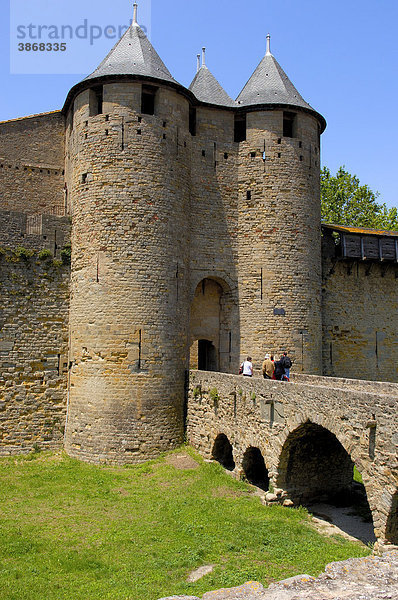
(279, 369)
(286, 363)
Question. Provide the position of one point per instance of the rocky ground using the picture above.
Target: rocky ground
(370, 578)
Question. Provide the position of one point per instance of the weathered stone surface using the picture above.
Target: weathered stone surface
(355, 579)
(33, 353)
(180, 236)
(359, 309)
(199, 573)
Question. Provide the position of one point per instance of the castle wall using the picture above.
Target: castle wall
(279, 240)
(129, 179)
(33, 353)
(360, 329)
(32, 164)
(35, 232)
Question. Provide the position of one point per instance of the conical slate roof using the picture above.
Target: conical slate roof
(133, 54)
(207, 89)
(269, 84)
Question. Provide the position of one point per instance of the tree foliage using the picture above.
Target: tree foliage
(344, 201)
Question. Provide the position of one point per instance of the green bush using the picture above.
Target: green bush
(45, 254)
(66, 254)
(24, 253)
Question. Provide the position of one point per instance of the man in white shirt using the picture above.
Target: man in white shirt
(248, 367)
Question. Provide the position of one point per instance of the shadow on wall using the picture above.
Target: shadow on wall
(315, 469)
(314, 466)
(392, 523)
(222, 452)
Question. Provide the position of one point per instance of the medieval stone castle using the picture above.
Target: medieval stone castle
(194, 222)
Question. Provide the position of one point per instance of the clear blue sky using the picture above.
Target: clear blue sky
(341, 55)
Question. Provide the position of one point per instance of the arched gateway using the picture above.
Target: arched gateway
(214, 339)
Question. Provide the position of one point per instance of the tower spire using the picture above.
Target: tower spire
(268, 45)
(198, 64)
(135, 8)
(203, 57)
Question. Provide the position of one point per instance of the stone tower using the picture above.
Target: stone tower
(195, 240)
(129, 197)
(279, 217)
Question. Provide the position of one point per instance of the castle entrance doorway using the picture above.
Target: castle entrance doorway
(210, 326)
(207, 356)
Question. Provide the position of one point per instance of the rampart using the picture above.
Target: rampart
(359, 316)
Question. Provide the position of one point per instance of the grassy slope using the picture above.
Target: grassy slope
(76, 531)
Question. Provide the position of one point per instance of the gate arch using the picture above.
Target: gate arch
(214, 326)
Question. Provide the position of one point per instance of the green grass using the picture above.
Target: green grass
(357, 476)
(69, 530)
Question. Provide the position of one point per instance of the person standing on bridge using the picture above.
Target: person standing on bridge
(279, 369)
(268, 367)
(287, 364)
(247, 367)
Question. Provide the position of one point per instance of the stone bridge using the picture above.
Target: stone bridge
(302, 437)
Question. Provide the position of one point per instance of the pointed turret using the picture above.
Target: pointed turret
(206, 87)
(133, 54)
(269, 84)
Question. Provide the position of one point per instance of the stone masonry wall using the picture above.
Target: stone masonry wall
(254, 412)
(360, 326)
(32, 164)
(33, 353)
(214, 221)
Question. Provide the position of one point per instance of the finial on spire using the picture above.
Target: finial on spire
(135, 6)
(203, 57)
(198, 65)
(268, 44)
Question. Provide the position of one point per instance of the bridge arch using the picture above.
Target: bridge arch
(314, 465)
(254, 468)
(222, 452)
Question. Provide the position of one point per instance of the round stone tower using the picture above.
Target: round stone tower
(128, 179)
(279, 218)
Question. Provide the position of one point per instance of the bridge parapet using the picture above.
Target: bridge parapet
(360, 385)
(307, 424)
